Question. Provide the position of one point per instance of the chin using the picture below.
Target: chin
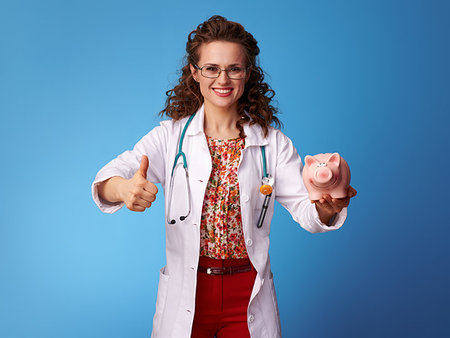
(222, 104)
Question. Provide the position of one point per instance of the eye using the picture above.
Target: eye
(211, 68)
(235, 69)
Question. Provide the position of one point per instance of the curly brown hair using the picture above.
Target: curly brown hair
(185, 98)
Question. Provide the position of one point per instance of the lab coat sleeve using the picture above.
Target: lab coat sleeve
(154, 145)
(291, 192)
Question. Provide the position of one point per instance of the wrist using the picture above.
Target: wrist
(120, 188)
(112, 189)
(325, 216)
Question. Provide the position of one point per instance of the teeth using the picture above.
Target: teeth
(223, 91)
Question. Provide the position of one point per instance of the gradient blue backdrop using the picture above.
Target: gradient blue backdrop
(82, 81)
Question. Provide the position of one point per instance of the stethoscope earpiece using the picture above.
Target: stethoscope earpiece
(172, 222)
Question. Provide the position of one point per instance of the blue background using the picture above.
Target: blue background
(82, 81)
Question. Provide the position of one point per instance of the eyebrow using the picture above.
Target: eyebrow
(214, 64)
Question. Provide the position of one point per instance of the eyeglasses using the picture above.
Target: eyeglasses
(212, 72)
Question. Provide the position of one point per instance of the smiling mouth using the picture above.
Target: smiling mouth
(223, 92)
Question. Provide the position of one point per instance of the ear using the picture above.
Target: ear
(194, 72)
(309, 160)
(335, 158)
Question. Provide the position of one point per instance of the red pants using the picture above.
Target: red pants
(222, 300)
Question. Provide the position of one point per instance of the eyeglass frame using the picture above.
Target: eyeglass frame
(220, 72)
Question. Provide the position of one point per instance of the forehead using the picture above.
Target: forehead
(221, 53)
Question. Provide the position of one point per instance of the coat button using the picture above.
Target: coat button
(251, 318)
(249, 242)
(245, 198)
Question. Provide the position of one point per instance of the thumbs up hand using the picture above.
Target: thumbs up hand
(138, 193)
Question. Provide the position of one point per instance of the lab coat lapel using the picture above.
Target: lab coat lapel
(200, 164)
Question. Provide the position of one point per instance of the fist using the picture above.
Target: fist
(138, 193)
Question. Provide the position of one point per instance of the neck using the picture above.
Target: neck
(221, 123)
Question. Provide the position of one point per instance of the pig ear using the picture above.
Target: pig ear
(335, 158)
(309, 160)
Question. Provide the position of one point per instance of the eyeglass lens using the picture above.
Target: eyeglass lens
(234, 72)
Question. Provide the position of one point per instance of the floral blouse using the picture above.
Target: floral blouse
(221, 235)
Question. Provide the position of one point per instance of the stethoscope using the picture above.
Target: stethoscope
(265, 189)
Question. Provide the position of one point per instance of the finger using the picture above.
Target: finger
(328, 198)
(336, 207)
(326, 202)
(333, 203)
(151, 188)
(138, 208)
(341, 203)
(351, 192)
(147, 196)
(144, 166)
(134, 207)
(144, 195)
(143, 203)
(324, 205)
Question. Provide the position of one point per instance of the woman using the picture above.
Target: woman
(217, 281)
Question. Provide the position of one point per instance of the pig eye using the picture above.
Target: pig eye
(322, 164)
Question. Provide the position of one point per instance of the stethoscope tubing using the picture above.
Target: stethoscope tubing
(185, 167)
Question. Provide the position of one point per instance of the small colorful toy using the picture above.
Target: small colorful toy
(326, 174)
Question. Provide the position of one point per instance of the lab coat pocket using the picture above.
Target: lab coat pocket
(160, 300)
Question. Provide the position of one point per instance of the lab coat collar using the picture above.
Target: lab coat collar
(253, 132)
(255, 136)
(196, 126)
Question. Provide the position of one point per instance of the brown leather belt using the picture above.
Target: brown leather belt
(228, 270)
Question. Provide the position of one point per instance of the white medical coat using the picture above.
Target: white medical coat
(175, 304)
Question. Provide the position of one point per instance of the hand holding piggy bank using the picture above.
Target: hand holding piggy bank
(326, 174)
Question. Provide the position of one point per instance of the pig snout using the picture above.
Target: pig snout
(322, 176)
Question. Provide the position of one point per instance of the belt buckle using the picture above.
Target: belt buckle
(209, 271)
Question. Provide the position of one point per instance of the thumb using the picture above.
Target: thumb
(144, 166)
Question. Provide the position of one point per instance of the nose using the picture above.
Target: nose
(323, 175)
(223, 77)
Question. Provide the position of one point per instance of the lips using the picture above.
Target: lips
(222, 92)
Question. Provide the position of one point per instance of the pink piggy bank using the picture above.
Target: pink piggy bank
(326, 174)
